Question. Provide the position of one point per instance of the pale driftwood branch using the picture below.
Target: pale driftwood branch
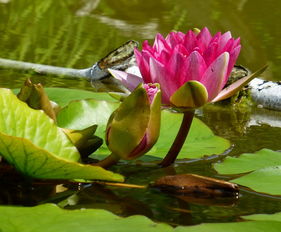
(45, 69)
(266, 94)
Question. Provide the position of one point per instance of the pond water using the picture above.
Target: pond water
(77, 33)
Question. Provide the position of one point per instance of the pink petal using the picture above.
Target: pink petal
(194, 67)
(204, 38)
(211, 53)
(130, 81)
(160, 43)
(224, 39)
(175, 66)
(173, 39)
(230, 45)
(143, 65)
(215, 75)
(146, 46)
(160, 75)
(190, 41)
(237, 86)
(233, 55)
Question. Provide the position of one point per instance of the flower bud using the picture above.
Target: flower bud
(134, 127)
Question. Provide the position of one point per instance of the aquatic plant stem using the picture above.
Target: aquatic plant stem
(107, 162)
(179, 140)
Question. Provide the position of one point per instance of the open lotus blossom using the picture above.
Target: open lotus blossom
(191, 68)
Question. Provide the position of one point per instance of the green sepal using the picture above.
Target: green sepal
(36, 98)
(84, 140)
(192, 94)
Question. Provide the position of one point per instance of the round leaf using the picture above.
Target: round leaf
(201, 140)
(17, 119)
(249, 162)
(266, 180)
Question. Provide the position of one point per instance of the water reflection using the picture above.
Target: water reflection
(86, 30)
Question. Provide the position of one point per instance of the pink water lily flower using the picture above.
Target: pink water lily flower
(192, 69)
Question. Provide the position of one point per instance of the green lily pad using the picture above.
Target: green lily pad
(63, 96)
(268, 226)
(49, 217)
(266, 180)
(32, 142)
(81, 114)
(264, 217)
(249, 162)
(201, 140)
(264, 169)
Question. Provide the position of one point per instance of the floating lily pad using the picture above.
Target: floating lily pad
(49, 217)
(79, 115)
(201, 140)
(63, 96)
(266, 180)
(249, 162)
(264, 169)
(264, 217)
(32, 142)
(253, 226)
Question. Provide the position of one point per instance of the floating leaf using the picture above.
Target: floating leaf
(260, 226)
(31, 142)
(79, 115)
(49, 217)
(264, 217)
(264, 167)
(266, 180)
(249, 162)
(63, 96)
(18, 120)
(201, 140)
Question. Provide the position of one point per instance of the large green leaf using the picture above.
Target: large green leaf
(85, 113)
(17, 119)
(31, 142)
(39, 163)
(63, 96)
(200, 142)
(260, 226)
(266, 180)
(264, 217)
(49, 218)
(249, 162)
(264, 167)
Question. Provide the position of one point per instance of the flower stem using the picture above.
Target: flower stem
(179, 140)
(107, 162)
